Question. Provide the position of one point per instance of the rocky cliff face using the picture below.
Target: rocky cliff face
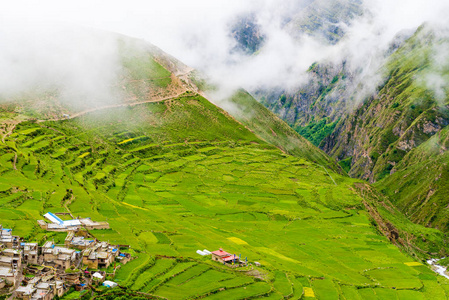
(399, 137)
(320, 97)
(247, 34)
(314, 107)
(325, 19)
(402, 115)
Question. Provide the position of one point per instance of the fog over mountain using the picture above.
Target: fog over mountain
(199, 33)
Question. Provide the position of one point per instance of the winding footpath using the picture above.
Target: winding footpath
(113, 106)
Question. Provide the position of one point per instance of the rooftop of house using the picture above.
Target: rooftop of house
(6, 232)
(26, 290)
(230, 257)
(6, 259)
(48, 244)
(58, 250)
(221, 253)
(11, 251)
(34, 280)
(87, 221)
(43, 285)
(6, 239)
(81, 241)
(103, 255)
(29, 246)
(57, 223)
(5, 272)
(92, 255)
(40, 293)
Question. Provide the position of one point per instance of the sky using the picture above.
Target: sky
(42, 39)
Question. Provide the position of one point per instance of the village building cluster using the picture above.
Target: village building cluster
(30, 271)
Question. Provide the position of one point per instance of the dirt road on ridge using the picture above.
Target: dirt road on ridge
(113, 106)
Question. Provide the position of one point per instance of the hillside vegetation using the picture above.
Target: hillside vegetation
(178, 175)
(404, 114)
(272, 129)
(420, 186)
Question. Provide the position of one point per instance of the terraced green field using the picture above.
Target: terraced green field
(177, 176)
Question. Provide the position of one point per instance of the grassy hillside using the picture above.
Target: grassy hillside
(179, 175)
(272, 129)
(420, 186)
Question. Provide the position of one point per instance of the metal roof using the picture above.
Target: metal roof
(71, 223)
(53, 218)
(56, 220)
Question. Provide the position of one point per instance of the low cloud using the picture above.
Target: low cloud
(437, 77)
(80, 66)
(197, 33)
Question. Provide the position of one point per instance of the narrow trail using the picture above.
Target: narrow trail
(15, 161)
(114, 106)
(329, 174)
(182, 76)
(67, 203)
(8, 130)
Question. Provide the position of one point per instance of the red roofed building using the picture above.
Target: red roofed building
(223, 256)
(220, 253)
(231, 258)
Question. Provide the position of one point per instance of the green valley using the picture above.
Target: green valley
(180, 175)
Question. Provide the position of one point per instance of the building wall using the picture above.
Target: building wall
(60, 292)
(91, 264)
(217, 258)
(49, 257)
(97, 226)
(31, 260)
(65, 264)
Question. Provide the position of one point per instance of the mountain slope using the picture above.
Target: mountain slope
(170, 182)
(315, 108)
(404, 114)
(420, 186)
(176, 175)
(272, 129)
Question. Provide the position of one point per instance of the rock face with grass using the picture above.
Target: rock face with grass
(403, 129)
(315, 109)
(403, 114)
